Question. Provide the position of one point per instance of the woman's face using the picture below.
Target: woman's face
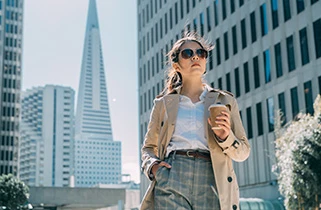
(193, 66)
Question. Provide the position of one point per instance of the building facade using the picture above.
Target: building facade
(97, 155)
(47, 136)
(267, 53)
(11, 27)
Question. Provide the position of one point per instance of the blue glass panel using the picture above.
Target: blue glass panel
(267, 66)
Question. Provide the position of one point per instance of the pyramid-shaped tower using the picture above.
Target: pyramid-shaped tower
(97, 156)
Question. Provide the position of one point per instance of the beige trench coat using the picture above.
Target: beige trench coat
(236, 147)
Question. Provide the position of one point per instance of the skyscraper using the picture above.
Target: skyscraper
(268, 53)
(11, 24)
(97, 156)
(47, 134)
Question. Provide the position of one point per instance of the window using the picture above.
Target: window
(208, 19)
(270, 112)
(170, 18)
(195, 24)
(246, 77)
(282, 107)
(243, 32)
(313, 1)
(202, 23)
(223, 2)
(232, 6)
(294, 102)
(226, 52)
(151, 9)
(319, 78)
(139, 22)
(241, 2)
(259, 119)
(152, 36)
(299, 5)
(274, 9)
(249, 123)
(290, 53)
(148, 70)
(147, 13)
(278, 60)
(286, 10)
(234, 36)
(237, 82)
(187, 6)
(145, 102)
(161, 28)
(215, 12)
(144, 73)
(165, 19)
(210, 58)
(147, 41)
(228, 82)
(256, 72)
(308, 97)
(218, 51)
(264, 24)
(182, 9)
(176, 13)
(253, 26)
(317, 37)
(157, 63)
(304, 46)
(267, 66)
(220, 86)
(149, 99)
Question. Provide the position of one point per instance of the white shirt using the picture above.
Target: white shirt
(189, 128)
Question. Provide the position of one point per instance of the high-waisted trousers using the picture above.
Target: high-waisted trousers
(188, 185)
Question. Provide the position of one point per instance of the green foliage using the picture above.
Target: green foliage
(13, 192)
(298, 153)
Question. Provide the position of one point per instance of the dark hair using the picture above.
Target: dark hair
(174, 78)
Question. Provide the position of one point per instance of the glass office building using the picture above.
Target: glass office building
(267, 53)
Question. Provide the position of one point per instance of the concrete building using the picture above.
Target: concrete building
(266, 52)
(47, 136)
(11, 25)
(97, 155)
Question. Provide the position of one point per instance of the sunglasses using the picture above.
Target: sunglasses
(188, 53)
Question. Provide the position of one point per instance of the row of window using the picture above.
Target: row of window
(12, 42)
(6, 155)
(144, 44)
(8, 125)
(7, 140)
(308, 98)
(9, 97)
(148, 71)
(13, 3)
(6, 169)
(149, 95)
(147, 13)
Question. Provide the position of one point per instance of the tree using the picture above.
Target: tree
(298, 153)
(13, 192)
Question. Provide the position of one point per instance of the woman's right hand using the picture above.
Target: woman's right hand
(157, 165)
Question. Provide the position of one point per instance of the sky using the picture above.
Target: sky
(53, 40)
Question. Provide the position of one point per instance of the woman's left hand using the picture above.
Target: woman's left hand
(223, 121)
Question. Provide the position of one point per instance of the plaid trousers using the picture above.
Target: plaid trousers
(188, 185)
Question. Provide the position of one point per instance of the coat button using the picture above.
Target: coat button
(229, 179)
(234, 207)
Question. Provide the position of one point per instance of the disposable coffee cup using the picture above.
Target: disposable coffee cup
(215, 110)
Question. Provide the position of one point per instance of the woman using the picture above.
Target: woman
(188, 162)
